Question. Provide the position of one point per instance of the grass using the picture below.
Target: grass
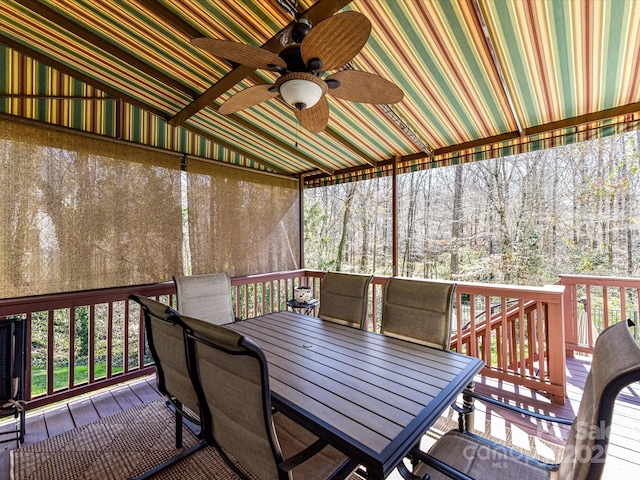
(61, 377)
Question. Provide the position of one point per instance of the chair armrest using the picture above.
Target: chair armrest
(302, 456)
(439, 465)
(513, 408)
(407, 475)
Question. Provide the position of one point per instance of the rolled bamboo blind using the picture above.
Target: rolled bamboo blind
(78, 212)
(241, 222)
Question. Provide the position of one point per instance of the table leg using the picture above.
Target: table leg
(467, 419)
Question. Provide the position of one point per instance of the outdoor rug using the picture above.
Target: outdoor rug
(131, 442)
(116, 447)
(123, 445)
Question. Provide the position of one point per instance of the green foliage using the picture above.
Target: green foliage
(521, 220)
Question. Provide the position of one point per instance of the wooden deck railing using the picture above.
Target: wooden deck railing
(517, 331)
(521, 343)
(591, 304)
(256, 295)
(95, 338)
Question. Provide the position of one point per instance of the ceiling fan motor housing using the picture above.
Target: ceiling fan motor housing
(293, 58)
(300, 29)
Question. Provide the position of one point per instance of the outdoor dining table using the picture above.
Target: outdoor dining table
(369, 395)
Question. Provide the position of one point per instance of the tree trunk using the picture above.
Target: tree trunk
(351, 190)
(456, 223)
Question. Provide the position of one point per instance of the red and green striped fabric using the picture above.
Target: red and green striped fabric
(481, 78)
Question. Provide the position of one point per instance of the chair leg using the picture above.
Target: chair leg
(167, 463)
(18, 433)
(178, 425)
(176, 408)
(22, 426)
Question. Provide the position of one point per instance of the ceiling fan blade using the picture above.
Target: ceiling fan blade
(314, 119)
(253, 57)
(247, 98)
(336, 40)
(365, 88)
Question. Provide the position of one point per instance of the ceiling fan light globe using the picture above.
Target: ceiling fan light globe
(300, 93)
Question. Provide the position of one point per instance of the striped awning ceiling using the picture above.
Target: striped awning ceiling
(481, 78)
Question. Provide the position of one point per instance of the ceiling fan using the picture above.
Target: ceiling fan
(329, 45)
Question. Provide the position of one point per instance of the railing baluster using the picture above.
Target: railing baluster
(605, 308)
(504, 334)
(28, 369)
(486, 338)
(541, 319)
(109, 339)
(92, 344)
(590, 324)
(141, 350)
(473, 346)
(72, 347)
(125, 343)
(50, 352)
(623, 303)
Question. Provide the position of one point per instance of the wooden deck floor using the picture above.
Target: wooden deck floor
(79, 411)
(623, 459)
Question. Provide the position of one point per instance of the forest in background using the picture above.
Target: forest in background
(523, 219)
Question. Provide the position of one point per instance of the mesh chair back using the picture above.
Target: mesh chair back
(616, 363)
(12, 377)
(6, 361)
(233, 376)
(419, 311)
(167, 346)
(206, 297)
(344, 298)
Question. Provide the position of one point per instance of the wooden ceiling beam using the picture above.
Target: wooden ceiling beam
(481, 142)
(171, 18)
(503, 137)
(316, 13)
(104, 45)
(583, 119)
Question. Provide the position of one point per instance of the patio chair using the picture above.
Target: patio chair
(206, 297)
(241, 424)
(616, 364)
(166, 339)
(419, 311)
(344, 299)
(12, 365)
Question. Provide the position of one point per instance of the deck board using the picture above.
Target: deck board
(53, 420)
(126, 398)
(83, 412)
(624, 446)
(623, 459)
(58, 420)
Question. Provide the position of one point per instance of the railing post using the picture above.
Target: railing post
(556, 348)
(570, 311)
